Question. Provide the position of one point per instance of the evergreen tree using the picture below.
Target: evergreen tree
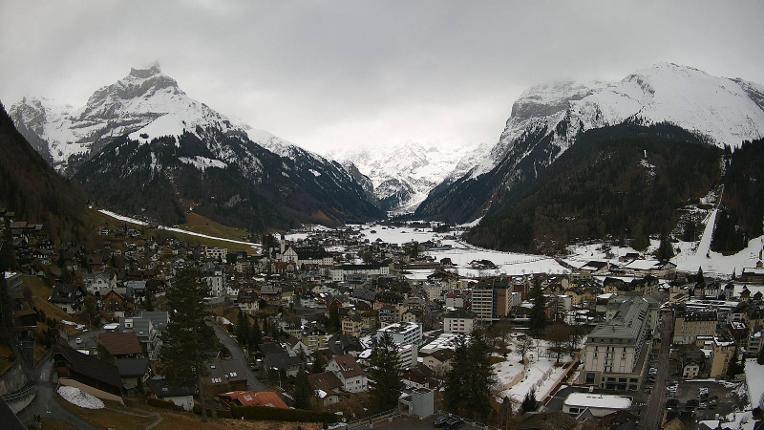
(319, 363)
(333, 325)
(530, 403)
(455, 390)
(242, 329)
(468, 383)
(302, 391)
(188, 343)
(148, 303)
(385, 373)
(255, 335)
(665, 250)
(538, 312)
(479, 378)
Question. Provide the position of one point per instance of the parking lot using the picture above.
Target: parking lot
(706, 398)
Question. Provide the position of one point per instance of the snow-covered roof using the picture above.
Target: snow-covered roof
(603, 401)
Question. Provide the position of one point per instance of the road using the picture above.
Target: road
(45, 404)
(651, 413)
(237, 354)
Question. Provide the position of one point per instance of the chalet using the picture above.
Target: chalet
(99, 282)
(88, 373)
(67, 297)
(183, 397)
(146, 332)
(754, 275)
(121, 345)
(326, 386)
(248, 301)
(226, 375)
(112, 302)
(276, 357)
(349, 372)
(133, 372)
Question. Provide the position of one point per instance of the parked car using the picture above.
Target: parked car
(454, 423)
(78, 341)
(441, 420)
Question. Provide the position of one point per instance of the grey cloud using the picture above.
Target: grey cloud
(328, 74)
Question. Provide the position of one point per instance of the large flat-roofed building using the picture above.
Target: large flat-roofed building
(482, 303)
(691, 323)
(615, 351)
(458, 321)
(403, 332)
(599, 405)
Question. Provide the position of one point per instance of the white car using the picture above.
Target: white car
(78, 341)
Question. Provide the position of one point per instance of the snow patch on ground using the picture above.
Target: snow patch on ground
(80, 398)
(203, 163)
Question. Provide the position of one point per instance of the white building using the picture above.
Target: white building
(347, 370)
(482, 303)
(100, 282)
(458, 321)
(613, 356)
(408, 355)
(403, 332)
(216, 284)
(213, 253)
(599, 405)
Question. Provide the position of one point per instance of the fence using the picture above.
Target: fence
(371, 420)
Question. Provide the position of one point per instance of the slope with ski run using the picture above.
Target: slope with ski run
(134, 221)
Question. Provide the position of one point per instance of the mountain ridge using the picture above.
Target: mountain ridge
(145, 131)
(548, 118)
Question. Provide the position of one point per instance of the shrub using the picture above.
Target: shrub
(264, 413)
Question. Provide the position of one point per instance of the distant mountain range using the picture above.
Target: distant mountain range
(143, 146)
(402, 175)
(575, 161)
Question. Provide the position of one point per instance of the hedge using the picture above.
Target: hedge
(165, 404)
(265, 413)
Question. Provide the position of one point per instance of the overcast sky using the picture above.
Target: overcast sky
(346, 74)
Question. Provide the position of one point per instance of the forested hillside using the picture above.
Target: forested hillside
(623, 182)
(742, 211)
(33, 190)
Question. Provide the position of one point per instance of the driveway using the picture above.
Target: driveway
(237, 354)
(45, 404)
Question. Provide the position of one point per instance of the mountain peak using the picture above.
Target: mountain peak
(146, 72)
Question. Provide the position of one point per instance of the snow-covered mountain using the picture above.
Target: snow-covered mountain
(142, 144)
(402, 175)
(547, 119)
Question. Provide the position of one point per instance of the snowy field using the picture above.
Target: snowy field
(462, 253)
(754, 377)
(515, 381)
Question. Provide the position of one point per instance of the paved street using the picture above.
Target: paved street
(253, 383)
(45, 404)
(651, 413)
